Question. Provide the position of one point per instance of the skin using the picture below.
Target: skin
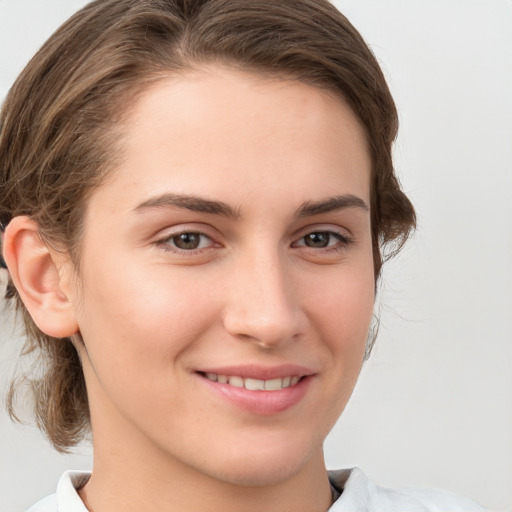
(256, 292)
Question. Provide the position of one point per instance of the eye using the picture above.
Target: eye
(187, 241)
(323, 240)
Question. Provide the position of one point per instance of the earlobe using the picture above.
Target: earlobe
(38, 274)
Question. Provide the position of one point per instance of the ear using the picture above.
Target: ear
(42, 277)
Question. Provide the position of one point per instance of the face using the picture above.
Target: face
(226, 282)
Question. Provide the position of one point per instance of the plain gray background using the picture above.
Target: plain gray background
(434, 404)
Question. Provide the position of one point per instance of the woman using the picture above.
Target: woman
(196, 197)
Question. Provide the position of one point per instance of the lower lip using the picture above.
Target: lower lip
(264, 403)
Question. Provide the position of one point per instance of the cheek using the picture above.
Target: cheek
(135, 331)
(156, 319)
(343, 306)
(340, 314)
(142, 319)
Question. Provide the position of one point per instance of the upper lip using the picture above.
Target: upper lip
(260, 372)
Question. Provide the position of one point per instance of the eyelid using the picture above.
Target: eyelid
(173, 240)
(323, 228)
(343, 236)
(163, 237)
(338, 236)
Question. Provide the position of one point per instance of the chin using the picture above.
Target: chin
(258, 475)
(263, 466)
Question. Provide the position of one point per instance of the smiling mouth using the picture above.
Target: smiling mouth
(254, 384)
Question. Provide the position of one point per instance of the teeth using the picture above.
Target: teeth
(236, 381)
(273, 384)
(255, 384)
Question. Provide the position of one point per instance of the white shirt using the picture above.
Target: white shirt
(359, 495)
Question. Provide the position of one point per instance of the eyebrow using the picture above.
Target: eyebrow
(193, 203)
(330, 204)
(202, 205)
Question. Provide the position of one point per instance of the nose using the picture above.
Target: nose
(263, 305)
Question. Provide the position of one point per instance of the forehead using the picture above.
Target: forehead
(215, 129)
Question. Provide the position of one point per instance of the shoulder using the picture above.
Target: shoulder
(66, 498)
(362, 495)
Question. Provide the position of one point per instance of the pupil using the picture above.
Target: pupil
(317, 240)
(187, 241)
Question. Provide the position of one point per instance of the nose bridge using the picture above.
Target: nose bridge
(263, 304)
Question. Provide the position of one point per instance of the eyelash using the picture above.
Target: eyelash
(342, 242)
(165, 243)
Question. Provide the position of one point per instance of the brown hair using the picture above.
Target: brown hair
(57, 140)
